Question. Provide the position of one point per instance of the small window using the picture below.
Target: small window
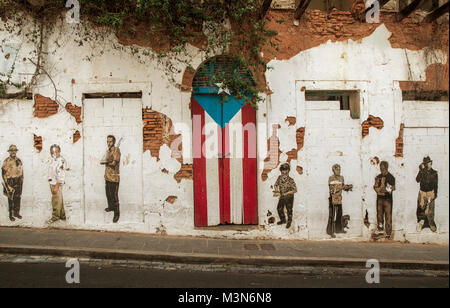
(349, 100)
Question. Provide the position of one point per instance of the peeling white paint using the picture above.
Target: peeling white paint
(371, 66)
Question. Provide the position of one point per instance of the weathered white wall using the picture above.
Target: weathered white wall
(100, 64)
(374, 68)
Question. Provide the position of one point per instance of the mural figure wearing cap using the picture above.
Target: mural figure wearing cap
(428, 179)
(285, 189)
(12, 175)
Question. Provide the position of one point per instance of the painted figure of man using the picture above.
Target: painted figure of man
(12, 175)
(428, 179)
(384, 186)
(56, 179)
(285, 188)
(112, 177)
(336, 185)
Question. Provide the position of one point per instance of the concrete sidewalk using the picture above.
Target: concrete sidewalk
(189, 250)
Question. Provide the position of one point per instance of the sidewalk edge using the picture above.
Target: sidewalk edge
(189, 258)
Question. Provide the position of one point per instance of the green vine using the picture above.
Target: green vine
(236, 28)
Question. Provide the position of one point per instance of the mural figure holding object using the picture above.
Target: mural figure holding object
(336, 185)
(384, 187)
(285, 188)
(112, 176)
(12, 176)
(428, 179)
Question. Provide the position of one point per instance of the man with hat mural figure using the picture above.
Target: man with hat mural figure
(428, 179)
(12, 175)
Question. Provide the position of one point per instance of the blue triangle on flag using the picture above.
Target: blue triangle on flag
(213, 105)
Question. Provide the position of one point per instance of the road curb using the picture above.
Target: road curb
(189, 258)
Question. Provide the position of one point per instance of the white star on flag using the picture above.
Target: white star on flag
(221, 89)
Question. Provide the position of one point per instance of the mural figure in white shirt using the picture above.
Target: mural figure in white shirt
(56, 179)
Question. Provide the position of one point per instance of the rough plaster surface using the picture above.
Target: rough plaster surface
(369, 65)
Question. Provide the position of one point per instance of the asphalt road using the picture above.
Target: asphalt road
(53, 275)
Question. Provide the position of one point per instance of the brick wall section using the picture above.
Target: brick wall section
(76, 136)
(185, 173)
(300, 138)
(44, 107)
(188, 77)
(157, 127)
(158, 130)
(38, 143)
(399, 142)
(291, 120)
(372, 121)
(75, 111)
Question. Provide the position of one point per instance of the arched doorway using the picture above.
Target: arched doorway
(224, 149)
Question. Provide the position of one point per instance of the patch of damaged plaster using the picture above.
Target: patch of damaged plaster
(38, 143)
(44, 107)
(76, 136)
(75, 111)
(371, 121)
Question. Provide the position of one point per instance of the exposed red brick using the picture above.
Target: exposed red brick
(157, 129)
(171, 199)
(76, 136)
(44, 107)
(375, 161)
(75, 111)
(292, 155)
(38, 143)
(185, 173)
(188, 77)
(399, 142)
(291, 120)
(300, 170)
(300, 137)
(371, 122)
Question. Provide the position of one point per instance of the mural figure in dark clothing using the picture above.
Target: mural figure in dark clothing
(428, 179)
(384, 187)
(285, 188)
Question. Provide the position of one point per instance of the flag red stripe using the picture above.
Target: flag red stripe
(199, 172)
(250, 185)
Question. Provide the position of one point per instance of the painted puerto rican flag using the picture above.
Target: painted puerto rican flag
(225, 165)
